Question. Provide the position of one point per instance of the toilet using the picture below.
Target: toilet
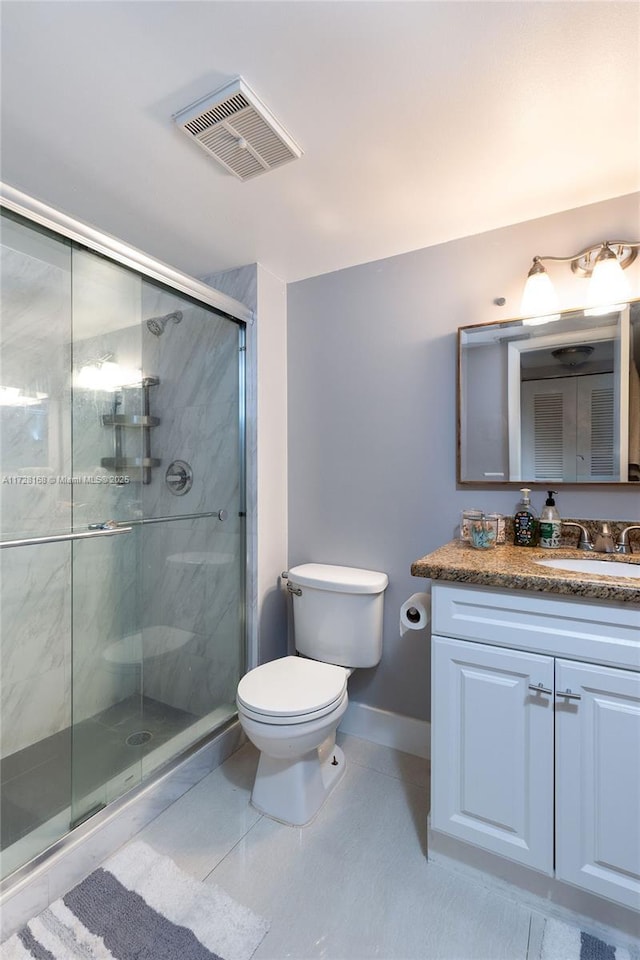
(290, 708)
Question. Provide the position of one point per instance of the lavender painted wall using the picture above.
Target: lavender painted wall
(372, 400)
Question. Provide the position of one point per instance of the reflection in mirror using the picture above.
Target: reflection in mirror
(551, 403)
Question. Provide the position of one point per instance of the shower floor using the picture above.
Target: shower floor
(35, 783)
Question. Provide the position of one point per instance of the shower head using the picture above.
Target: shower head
(156, 325)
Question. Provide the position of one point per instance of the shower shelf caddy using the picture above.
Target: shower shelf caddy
(144, 422)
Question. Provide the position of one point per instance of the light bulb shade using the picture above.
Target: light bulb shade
(608, 286)
(539, 299)
(106, 375)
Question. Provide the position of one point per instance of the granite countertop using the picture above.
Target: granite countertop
(514, 568)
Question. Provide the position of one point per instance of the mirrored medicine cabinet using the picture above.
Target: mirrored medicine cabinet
(551, 402)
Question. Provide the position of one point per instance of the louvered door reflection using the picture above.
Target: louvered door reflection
(549, 429)
(568, 429)
(596, 435)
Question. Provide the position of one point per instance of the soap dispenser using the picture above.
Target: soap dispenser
(525, 522)
(550, 523)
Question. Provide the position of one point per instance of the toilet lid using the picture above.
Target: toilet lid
(292, 687)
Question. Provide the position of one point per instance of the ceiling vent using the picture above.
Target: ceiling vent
(237, 130)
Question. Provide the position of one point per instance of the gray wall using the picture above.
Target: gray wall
(371, 406)
(485, 448)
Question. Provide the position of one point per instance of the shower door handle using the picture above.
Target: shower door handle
(109, 529)
(144, 521)
(63, 537)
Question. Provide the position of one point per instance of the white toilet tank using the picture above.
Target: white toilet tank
(337, 618)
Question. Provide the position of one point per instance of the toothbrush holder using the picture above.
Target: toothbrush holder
(483, 533)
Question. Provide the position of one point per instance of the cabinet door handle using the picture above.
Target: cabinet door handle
(567, 695)
(538, 688)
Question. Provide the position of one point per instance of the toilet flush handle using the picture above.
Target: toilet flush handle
(291, 587)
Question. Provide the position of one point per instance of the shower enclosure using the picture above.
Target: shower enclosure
(122, 527)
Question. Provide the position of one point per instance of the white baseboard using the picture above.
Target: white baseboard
(388, 729)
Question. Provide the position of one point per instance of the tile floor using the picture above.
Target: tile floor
(355, 882)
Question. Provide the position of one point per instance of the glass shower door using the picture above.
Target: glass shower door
(123, 526)
(35, 451)
(158, 613)
(193, 550)
(108, 471)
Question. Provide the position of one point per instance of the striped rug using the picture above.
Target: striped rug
(561, 941)
(140, 906)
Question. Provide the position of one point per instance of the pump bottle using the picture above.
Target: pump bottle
(550, 523)
(525, 522)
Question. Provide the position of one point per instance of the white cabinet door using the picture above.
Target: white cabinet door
(492, 750)
(598, 780)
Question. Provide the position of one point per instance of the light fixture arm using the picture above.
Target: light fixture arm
(584, 261)
(602, 262)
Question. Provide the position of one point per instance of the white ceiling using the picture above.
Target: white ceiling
(420, 122)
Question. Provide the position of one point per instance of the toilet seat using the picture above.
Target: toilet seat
(292, 690)
(302, 718)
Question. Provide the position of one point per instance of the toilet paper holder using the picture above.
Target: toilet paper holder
(413, 615)
(415, 612)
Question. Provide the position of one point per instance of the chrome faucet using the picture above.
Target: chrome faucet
(604, 540)
(622, 544)
(584, 542)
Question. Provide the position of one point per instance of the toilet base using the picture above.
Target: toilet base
(292, 791)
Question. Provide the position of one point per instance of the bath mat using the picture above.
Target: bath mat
(561, 941)
(139, 906)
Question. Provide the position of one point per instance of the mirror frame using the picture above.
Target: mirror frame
(515, 484)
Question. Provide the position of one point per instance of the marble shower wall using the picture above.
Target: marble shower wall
(192, 583)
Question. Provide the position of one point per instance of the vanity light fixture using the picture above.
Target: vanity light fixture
(103, 373)
(14, 397)
(603, 263)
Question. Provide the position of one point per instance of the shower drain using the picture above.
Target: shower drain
(137, 739)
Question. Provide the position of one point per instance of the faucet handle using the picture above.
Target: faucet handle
(622, 543)
(584, 541)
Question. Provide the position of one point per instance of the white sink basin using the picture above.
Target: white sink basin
(610, 568)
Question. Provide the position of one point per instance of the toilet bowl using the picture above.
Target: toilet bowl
(290, 708)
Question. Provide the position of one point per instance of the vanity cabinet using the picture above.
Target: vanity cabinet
(491, 751)
(536, 735)
(597, 752)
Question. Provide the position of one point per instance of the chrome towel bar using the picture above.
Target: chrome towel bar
(62, 537)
